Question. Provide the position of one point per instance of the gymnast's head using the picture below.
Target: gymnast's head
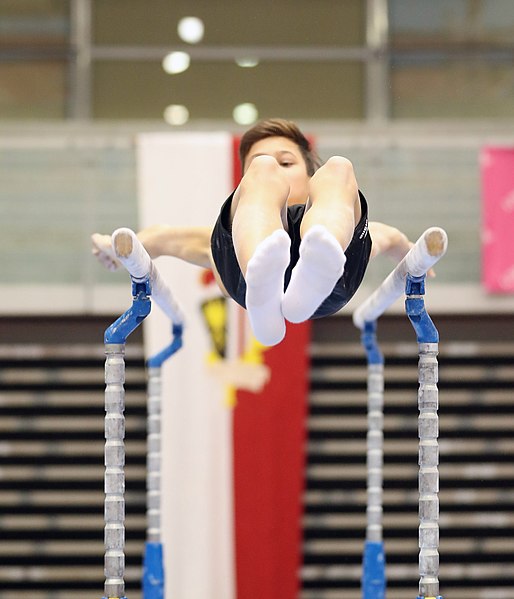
(279, 128)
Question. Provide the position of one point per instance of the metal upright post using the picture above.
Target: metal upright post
(427, 250)
(146, 280)
(377, 77)
(373, 566)
(79, 98)
(153, 566)
(114, 509)
(428, 429)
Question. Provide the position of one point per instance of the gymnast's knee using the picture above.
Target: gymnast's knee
(264, 170)
(337, 172)
(339, 167)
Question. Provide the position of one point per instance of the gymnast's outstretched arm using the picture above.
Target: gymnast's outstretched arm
(191, 244)
(390, 242)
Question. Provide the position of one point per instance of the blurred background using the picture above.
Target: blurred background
(324, 60)
(410, 90)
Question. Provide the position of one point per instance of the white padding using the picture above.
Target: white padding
(427, 250)
(164, 298)
(131, 253)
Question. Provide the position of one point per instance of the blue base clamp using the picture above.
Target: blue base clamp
(153, 572)
(373, 571)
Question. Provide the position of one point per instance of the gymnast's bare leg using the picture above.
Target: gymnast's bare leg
(262, 245)
(326, 230)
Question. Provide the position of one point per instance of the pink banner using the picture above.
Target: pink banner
(497, 171)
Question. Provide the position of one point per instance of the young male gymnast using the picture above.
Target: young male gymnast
(292, 242)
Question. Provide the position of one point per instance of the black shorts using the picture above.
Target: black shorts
(357, 258)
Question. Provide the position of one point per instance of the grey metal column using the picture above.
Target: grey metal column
(428, 428)
(114, 470)
(153, 474)
(79, 106)
(375, 452)
(373, 580)
(428, 432)
(377, 66)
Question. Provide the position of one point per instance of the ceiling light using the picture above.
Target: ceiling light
(176, 114)
(190, 29)
(247, 62)
(245, 114)
(176, 62)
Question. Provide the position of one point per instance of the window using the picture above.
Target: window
(451, 59)
(34, 58)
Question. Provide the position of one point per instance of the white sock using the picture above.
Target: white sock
(265, 287)
(318, 269)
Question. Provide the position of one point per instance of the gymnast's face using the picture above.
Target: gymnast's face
(290, 159)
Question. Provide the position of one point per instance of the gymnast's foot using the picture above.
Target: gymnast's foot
(265, 287)
(318, 269)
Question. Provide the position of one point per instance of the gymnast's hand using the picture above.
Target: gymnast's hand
(103, 251)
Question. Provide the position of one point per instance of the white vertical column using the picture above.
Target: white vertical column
(183, 179)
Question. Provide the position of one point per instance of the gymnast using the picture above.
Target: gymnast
(292, 242)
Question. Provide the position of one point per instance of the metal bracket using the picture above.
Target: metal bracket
(158, 359)
(134, 316)
(369, 341)
(415, 308)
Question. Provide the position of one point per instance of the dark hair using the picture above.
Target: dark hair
(280, 128)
